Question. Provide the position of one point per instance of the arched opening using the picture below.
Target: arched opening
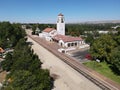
(72, 44)
(68, 44)
(75, 44)
(61, 44)
(63, 51)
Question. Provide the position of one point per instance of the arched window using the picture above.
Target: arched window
(61, 44)
(72, 44)
(75, 44)
(68, 44)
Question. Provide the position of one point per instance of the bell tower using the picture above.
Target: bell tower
(61, 24)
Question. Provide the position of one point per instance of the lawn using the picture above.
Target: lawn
(103, 68)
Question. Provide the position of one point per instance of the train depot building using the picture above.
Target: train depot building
(58, 36)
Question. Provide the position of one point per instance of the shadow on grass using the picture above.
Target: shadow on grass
(115, 70)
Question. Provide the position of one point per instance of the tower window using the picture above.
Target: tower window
(62, 21)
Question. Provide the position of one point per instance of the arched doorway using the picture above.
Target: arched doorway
(61, 44)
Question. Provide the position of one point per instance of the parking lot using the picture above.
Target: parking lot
(79, 55)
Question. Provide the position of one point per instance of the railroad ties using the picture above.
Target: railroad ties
(75, 65)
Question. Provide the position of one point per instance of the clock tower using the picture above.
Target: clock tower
(61, 24)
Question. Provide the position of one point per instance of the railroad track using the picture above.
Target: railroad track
(77, 66)
(102, 86)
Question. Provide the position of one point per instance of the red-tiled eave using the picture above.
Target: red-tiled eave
(48, 30)
(1, 50)
(66, 38)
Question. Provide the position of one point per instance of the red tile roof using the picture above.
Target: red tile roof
(66, 38)
(1, 50)
(60, 14)
(48, 30)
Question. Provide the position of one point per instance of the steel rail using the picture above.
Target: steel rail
(76, 66)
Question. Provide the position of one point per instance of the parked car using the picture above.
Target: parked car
(88, 56)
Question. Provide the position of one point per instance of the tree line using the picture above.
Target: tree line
(24, 67)
(103, 46)
(40, 26)
(75, 29)
(107, 48)
(10, 34)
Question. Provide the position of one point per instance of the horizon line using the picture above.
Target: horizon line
(89, 21)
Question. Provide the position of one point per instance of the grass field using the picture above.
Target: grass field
(103, 69)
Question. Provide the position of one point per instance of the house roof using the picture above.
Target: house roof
(60, 14)
(48, 30)
(66, 38)
(1, 50)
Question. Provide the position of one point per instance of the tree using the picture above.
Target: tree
(25, 80)
(24, 58)
(11, 34)
(25, 72)
(89, 39)
(116, 58)
(24, 66)
(102, 47)
(21, 80)
(7, 63)
(118, 29)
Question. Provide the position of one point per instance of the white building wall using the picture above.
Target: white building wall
(104, 32)
(48, 38)
(53, 33)
(61, 43)
(40, 35)
(65, 44)
(50, 34)
(61, 25)
(43, 35)
(61, 28)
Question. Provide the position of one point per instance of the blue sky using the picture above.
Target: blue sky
(46, 11)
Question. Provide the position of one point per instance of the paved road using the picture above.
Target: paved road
(79, 55)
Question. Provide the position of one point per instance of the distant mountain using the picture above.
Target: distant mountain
(95, 22)
(105, 21)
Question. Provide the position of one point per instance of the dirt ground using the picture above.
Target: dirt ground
(2, 76)
(66, 77)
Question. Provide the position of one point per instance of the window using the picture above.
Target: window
(72, 44)
(62, 21)
(75, 44)
(68, 44)
(61, 44)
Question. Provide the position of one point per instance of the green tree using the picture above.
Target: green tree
(10, 34)
(21, 80)
(102, 47)
(25, 71)
(116, 58)
(25, 80)
(89, 39)
(24, 66)
(24, 58)
(7, 63)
